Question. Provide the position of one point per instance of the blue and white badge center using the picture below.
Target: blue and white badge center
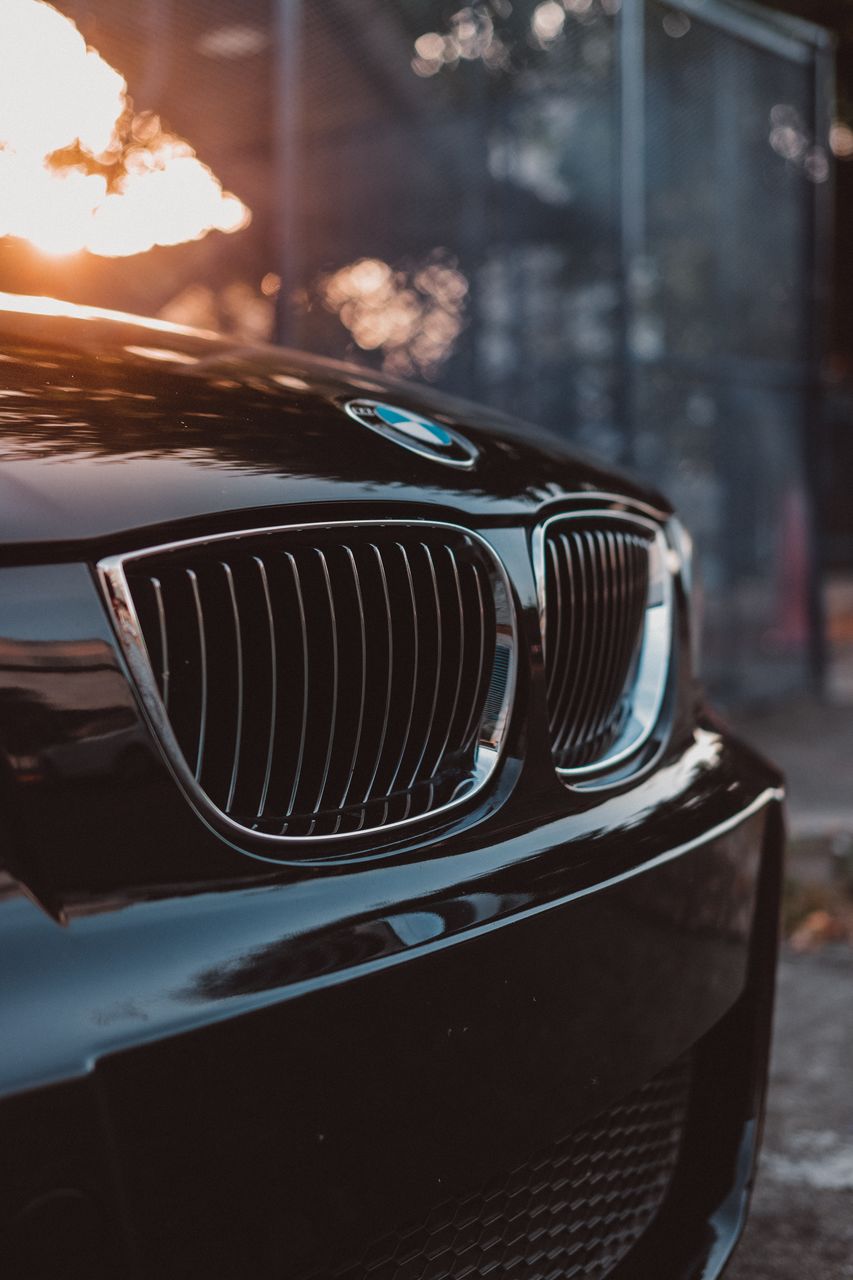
(421, 435)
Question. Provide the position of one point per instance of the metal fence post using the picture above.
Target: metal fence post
(632, 204)
(287, 122)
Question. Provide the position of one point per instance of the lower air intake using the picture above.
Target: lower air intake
(322, 682)
(574, 1211)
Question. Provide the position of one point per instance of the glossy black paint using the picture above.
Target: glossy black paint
(146, 427)
(216, 1065)
(254, 1112)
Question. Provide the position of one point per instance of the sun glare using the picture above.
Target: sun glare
(78, 169)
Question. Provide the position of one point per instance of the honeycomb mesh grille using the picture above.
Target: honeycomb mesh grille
(575, 1210)
(328, 681)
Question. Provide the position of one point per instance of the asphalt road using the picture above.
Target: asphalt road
(801, 1225)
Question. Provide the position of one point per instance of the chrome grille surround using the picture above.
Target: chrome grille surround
(208, 624)
(605, 589)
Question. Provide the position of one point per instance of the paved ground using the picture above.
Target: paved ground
(801, 1226)
(813, 742)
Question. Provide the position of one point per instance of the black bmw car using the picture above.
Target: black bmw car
(379, 898)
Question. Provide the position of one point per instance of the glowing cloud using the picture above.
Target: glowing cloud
(78, 169)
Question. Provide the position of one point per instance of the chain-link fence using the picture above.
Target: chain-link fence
(602, 215)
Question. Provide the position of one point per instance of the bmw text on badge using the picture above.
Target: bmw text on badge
(421, 435)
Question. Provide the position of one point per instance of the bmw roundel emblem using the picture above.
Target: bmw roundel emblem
(421, 435)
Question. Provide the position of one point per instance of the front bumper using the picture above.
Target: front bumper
(266, 1080)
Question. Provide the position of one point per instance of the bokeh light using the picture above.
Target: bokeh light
(413, 317)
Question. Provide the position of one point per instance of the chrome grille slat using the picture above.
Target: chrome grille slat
(604, 587)
(333, 714)
(164, 641)
(623, 629)
(592, 578)
(601, 705)
(363, 685)
(470, 723)
(430, 564)
(580, 623)
(563, 658)
(238, 728)
(631, 553)
(265, 587)
(383, 577)
(553, 667)
(606, 640)
(202, 645)
(328, 680)
(401, 752)
(458, 658)
(303, 726)
(620, 630)
(591, 604)
(586, 628)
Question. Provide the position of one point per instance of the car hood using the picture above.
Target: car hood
(111, 423)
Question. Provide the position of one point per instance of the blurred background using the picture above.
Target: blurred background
(626, 220)
(612, 217)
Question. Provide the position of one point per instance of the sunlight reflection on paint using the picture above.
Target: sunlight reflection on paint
(78, 169)
(163, 353)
